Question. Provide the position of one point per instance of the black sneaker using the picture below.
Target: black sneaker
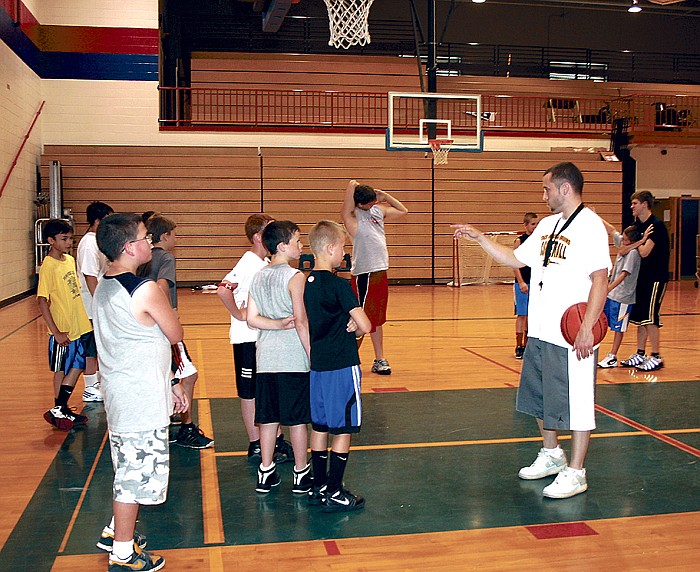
(342, 501)
(303, 481)
(519, 352)
(76, 418)
(192, 436)
(254, 451)
(283, 451)
(140, 560)
(55, 417)
(317, 495)
(267, 479)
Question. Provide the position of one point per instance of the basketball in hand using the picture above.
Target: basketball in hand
(571, 324)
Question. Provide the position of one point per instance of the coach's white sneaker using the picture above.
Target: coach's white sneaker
(568, 483)
(548, 462)
(93, 393)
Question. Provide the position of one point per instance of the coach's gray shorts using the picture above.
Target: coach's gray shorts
(556, 387)
(141, 466)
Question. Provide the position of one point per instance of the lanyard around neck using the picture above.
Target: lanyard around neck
(555, 235)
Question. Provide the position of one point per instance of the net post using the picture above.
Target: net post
(456, 278)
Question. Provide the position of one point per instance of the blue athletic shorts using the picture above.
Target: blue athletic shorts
(521, 301)
(618, 315)
(72, 356)
(336, 405)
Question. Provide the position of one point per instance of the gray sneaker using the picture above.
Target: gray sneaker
(544, 465)
(381, 366)
(633, 361)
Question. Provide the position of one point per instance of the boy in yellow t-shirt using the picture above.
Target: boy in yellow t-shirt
(58, 297)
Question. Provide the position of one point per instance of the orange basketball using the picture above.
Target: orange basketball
(571, 324)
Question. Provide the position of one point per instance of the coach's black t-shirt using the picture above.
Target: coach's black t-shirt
(328, 300)
(654, 268)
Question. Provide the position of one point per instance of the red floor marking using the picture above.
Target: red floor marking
(331, 548)
(650, 431)
(492, 361)
(509, 384)
(563, 530)
(389, 389)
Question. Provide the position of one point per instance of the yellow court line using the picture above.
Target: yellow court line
(201, 386)
(212, 516)
(480, 442)
(79, 505)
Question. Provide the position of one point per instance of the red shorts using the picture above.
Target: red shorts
(372, 290)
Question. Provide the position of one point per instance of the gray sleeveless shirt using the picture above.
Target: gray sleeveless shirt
(277, 350)
(369, 251)
(134, 360)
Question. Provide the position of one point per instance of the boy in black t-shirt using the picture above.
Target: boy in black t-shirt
(334, 315)
(521, 288)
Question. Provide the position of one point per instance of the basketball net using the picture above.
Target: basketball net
(440, 148)
(347, 20)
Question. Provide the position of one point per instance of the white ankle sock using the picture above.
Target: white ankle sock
(555, 452)
(90, 379)
(123, 550)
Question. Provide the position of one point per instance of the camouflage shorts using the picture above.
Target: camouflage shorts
(141, 466)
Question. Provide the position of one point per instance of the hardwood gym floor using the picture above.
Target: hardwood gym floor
(437, 458)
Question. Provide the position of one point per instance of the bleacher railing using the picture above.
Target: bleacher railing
(361, 112)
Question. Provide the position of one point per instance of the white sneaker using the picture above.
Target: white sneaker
(568, 483)
(93, 393)
(609, 361)
(544, 465)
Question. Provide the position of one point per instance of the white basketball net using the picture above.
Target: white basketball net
(440, 148)
(347, 20)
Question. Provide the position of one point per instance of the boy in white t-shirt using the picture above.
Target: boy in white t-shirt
(92, 265)
(233, 292)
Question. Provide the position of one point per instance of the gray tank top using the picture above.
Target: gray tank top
(134, 360)
(369, 251)
(277, 350)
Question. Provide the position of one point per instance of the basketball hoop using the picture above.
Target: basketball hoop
(347, 20)
(440, 148)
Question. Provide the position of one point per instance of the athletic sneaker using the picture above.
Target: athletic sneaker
(267, 479)
(254, 451)
(544, 465)
(93, 392)
(343, 500)
(55, 417)
(651, 363)
(303, 481)
(381, 366)
(568, 483)
(140, 560)
(519, 352)
(633, 361)
(317, 495)
(106, 540)
(76, 418)
(283, 451)
(609, 361)
(193, 437)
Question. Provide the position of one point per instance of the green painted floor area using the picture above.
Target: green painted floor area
(408, 490)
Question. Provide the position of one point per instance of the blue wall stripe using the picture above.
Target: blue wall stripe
(69, 65)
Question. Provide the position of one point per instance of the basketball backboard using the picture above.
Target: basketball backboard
(416, 118)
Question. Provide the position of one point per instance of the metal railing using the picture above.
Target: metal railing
(246, 109)
(678, 114)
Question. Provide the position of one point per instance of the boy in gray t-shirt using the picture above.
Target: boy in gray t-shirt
(621, 291)
(276, 309)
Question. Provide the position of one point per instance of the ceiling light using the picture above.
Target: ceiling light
(635, 7)
(478, 1)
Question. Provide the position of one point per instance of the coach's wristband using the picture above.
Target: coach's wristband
(174, 381)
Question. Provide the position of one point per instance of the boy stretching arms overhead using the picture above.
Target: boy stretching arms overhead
(134, 328)
(334, 313)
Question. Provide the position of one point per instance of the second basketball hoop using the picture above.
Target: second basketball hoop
(440, 149)
(347, 20)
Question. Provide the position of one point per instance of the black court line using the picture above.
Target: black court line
(18, 328)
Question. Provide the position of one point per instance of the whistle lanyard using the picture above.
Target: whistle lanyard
(555, 235)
